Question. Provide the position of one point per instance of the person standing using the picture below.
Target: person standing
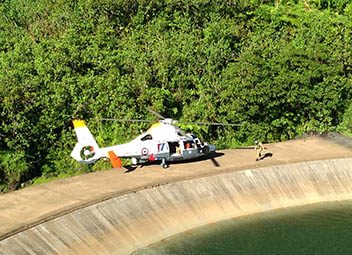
(259, 147)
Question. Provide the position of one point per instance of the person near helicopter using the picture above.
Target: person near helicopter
(259, 148)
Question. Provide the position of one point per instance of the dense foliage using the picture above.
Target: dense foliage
(280, 68)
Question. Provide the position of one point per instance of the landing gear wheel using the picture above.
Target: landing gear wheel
(164, 166)
(163, 163)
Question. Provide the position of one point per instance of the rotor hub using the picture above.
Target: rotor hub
(168, 121)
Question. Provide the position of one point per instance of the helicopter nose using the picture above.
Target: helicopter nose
(212, 148)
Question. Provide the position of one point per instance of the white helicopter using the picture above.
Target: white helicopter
(163, 141)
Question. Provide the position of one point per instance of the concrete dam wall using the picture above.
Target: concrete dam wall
(128, 222)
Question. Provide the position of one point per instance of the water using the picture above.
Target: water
(316, 229)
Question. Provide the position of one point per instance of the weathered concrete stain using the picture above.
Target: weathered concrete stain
(128, 222)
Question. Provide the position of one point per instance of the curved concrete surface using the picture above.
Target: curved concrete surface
(123, 224)
(75, 217)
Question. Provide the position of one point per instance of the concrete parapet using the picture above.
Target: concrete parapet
(131, 221)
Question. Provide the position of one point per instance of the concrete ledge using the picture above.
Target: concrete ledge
(26, 208)
(125, 223)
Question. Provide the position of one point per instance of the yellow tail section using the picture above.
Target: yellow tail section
(79, 123)
(86, 150)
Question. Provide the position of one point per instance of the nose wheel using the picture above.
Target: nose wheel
(163, 163)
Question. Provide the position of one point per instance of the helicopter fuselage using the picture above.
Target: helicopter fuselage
(163, 141)
(142, 151)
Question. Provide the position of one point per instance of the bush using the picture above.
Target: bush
(13, 170)
(280, 68)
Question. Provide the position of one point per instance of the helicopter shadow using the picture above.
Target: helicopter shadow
(130, 168)
(211, 156)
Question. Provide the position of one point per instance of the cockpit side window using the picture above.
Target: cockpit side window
(198, 143)
(147, 137)
(189, 145)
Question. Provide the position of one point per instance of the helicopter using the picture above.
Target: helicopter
(163, 141)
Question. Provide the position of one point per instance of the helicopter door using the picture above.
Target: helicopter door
(163, 150)
(190, 149)
(175, 148)
(163, 147)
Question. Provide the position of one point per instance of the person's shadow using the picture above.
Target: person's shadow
(266, 155)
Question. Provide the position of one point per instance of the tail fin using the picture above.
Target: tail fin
(87, 149)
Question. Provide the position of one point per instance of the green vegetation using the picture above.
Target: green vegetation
(280, 68)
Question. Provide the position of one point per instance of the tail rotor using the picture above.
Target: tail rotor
(86, 149)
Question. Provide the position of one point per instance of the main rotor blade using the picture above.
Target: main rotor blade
(178, 122)
(218, 124)
(156, 114)
(212, 123)
(122, 120)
